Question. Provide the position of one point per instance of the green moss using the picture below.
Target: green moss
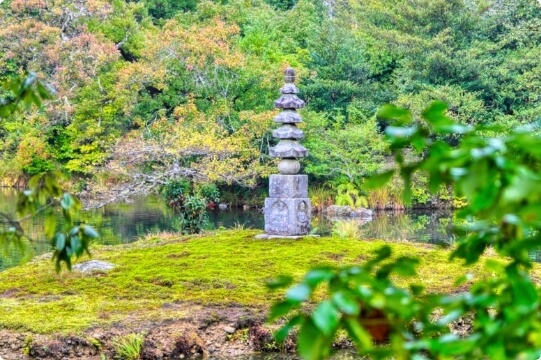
(224, 268)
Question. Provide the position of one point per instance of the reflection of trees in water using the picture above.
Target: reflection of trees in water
(125, 222)
(420, 226)
(15, 253)
(231, 218)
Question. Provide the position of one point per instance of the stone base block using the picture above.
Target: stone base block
(288, 186)
(287, 216)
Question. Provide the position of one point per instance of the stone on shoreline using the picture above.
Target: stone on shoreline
(93, 265)
(337, 211)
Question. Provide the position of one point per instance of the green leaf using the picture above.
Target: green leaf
(326, 317)
(346, 303)
(379, 180)
(464, 278)
(49, 225)
(383, 253)
(90, 232)
(451, 344)
(400, 132)
(452, 316)
(281, 309)
(299, 293)
(405, 266)
(312, 344)
(315, 276)
(60, 242)
(416, 290)
(67, 201)
(392, 112)
(279, 282)
(76, 245)
(284, 331)
(435, 114)
(525, 295)
(358, 334)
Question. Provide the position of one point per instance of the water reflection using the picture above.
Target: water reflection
(422, 226)
(123, 223)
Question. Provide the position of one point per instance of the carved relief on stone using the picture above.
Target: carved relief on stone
(279, 215)
(288, 186)
(303, 217)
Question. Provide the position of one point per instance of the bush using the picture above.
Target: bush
(191, 202)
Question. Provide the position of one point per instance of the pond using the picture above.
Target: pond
(126, 222)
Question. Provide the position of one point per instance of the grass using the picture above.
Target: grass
(129, 347)
(347, 229)
(226, 268)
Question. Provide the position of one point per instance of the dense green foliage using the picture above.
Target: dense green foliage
(498, 174)
(191, 201)
(128, 72)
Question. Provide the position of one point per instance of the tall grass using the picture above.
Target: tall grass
(385, 198)
(321, 196)
(129, 347)
(349, 229)
(388, 197)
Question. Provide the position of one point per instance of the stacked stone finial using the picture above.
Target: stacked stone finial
(288, 208)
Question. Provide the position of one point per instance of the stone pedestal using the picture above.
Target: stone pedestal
(287, 216)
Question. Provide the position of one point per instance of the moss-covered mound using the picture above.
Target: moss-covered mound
(227, 268)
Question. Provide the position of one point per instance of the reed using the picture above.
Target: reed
(386, 198)
(321, 197)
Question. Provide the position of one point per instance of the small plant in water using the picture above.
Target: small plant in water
(128, 347)
(190, 203)
(347, 229)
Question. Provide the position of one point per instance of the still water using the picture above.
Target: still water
(126, 222)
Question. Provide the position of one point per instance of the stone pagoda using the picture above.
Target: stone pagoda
(288, 209)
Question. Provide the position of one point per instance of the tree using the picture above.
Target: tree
(343, 152)
(282, 4)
